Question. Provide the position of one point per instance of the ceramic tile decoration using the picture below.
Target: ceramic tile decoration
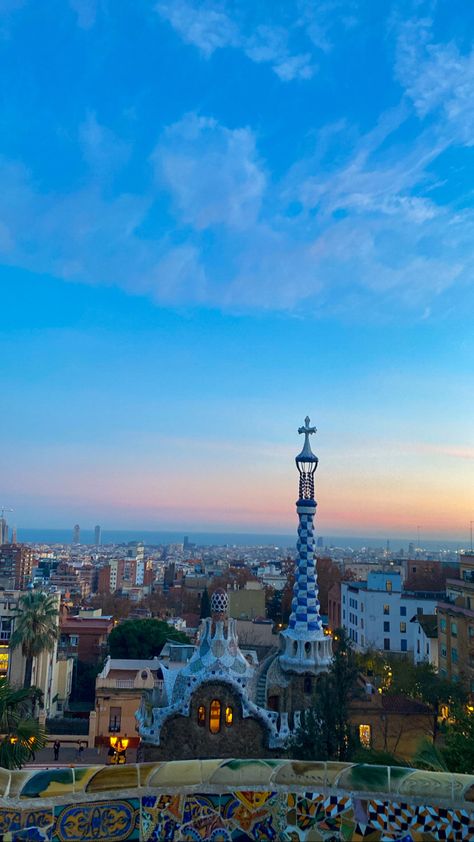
(236, 801)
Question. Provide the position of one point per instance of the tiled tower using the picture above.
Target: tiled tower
(304, 648)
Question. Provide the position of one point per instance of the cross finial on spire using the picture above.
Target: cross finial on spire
(307, 430)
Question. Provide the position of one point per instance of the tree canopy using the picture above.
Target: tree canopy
(21, 734)
(36, 627)
(142, 638)
(325, 732)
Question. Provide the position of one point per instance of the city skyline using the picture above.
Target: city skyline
(215, 219)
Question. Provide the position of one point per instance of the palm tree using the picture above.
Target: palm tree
(36, 627)
(21, 735)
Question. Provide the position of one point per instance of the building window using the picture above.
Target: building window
(365, 735)
(403, 645)
(386, 625)
(454, 629)
(442, 625)
(308, 684)
(229, 716)
(443, 652)
(403, 628)
(115, 720)
(388, 586)
(403, 610)
(215, 717)
(362, 622)
(386, 643)
(454, 655)
(386, 609)
(201, 715)
(471, 631)
(362, 606)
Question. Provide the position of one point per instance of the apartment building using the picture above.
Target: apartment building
(377, 613)
(456, 626)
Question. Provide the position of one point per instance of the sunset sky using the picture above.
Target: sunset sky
(219, 217)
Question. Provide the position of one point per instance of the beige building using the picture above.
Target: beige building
(118, 695)
(456, 626)
(247, 603)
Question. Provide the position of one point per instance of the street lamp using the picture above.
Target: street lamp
(118, 749)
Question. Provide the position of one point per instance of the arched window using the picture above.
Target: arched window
(215, 717)
(229, 716)
(201, 715)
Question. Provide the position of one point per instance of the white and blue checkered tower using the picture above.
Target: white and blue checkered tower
(304, 648)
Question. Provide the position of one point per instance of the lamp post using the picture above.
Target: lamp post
(118, 749)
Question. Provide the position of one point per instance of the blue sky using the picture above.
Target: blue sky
(215, 218)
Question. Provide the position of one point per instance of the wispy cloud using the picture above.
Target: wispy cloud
(437, 77)
(212, 173)
(86, 11)
(211, 26)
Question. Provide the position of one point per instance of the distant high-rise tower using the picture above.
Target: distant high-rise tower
(97, 535)
(76, 534)
(304, 648)
(3, 531)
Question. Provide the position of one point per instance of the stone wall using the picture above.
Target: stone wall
(236, 800)
(183, 738)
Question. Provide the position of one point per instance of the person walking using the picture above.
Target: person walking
(80, 751)
(56, 747)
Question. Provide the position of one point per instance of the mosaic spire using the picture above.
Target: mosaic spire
(305, 647)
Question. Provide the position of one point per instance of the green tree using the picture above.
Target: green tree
(142, 638)
(205, 604)
(325, 732)
(458, 750)
(21, 734)
(36, 627)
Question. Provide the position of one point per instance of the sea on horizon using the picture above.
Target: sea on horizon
(116, 536)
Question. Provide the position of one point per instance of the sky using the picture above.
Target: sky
(217, 218)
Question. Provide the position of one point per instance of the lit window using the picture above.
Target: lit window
(215, 717)
(403, 628)
(386, 609)
(201, 715)
(365, 735)
(388, 586)
(229, 716)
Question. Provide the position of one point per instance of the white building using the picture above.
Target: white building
(377, 613)
(426, 639)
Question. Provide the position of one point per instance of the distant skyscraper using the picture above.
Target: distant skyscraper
(97, 535)
(320, 541)
(3, 531)
(76, 534)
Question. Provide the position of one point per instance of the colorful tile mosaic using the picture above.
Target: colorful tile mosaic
(237, 801)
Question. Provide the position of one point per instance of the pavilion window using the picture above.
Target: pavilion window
(229, 716)
(215, 717)
(365, 735)
(201, 717)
